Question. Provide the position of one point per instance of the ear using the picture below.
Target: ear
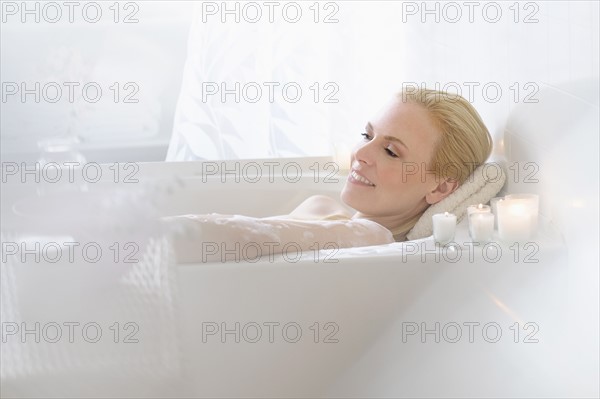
(441, 191)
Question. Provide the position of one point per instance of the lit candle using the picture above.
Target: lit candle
(473, 209)
(444, 227)
(514, 221)
(481, 226)
(532, 202)
(478, 209)
(493, 204)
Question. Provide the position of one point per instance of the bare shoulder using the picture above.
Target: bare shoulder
(320, 206)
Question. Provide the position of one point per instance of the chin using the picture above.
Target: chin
(352, 199)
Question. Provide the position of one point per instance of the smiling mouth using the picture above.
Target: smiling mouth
(358, 178)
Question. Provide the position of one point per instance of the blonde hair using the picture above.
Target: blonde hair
(465, 142)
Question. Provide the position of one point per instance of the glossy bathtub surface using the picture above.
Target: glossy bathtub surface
(326, 323)
(374, 296)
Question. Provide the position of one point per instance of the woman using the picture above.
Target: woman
(415, 153)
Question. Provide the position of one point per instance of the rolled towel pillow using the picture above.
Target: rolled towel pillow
(479, 188)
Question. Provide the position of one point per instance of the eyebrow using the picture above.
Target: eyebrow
(370, 129)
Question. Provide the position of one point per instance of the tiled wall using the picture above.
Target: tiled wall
(149, 53)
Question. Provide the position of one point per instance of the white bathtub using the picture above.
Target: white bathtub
(360, 313)
(372, 296)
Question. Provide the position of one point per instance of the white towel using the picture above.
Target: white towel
(483, 184)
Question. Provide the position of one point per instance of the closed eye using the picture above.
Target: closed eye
(368, 137)
(391, 153)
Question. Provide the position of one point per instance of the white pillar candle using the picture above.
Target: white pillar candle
(532, 202)
(444, 227)
(514, 221)
(472, 209)
(481, 226)
(493, 204)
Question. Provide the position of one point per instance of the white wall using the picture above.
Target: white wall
(561, 47)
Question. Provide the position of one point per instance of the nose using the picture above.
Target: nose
(363, 153)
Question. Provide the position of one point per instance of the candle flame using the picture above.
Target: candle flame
(480, 206)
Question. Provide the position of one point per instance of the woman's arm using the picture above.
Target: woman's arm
(221, 238)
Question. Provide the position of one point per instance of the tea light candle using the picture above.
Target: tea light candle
(532, 202)
(444, 227)
(514, 221)
(472, 209)
(493, 204)
(481, 226)
(478, 209)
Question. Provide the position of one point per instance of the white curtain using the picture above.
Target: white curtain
(317, 69)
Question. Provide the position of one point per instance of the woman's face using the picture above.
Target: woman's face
(393, 158)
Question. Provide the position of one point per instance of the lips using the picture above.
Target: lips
(361, 179)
